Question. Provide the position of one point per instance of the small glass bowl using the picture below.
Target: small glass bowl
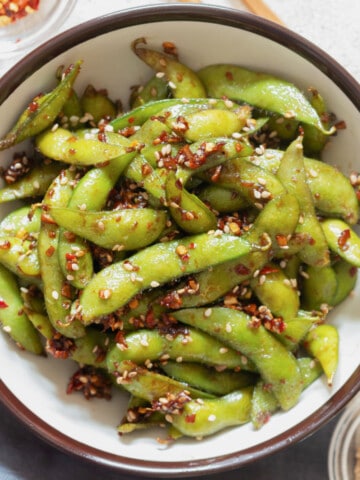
(34, 28)
(345, 441)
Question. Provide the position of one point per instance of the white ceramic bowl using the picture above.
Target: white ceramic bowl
(34, 388)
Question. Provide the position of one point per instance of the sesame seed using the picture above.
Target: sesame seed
(7, 328)
(212, 417)
(172, 85)
(55, 295)
(228, 327)
(208, 312)
(154, 284)
(223, 350)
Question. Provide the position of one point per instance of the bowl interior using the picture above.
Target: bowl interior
(203, 36)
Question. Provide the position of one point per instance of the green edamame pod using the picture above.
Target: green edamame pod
(155, 89)
(12, 316)
(274, 289)
(43, 110)
(318, 287)
(21, 222)
(213, 123)
(346, 276)
(322, 343)
(70, 147)
(97, 104)
(188, 211)
(291, 173)
(261, 90)
(188, 345)
(332, 193)
(41, 322)
(208, 379)
(56, 290)
(20, 257)
(255, 184)
(131, 228)
(275, 222)
(296, 329)
(264, 403)
(151, 386)
(212, 415)
(91, 349)
(183, 82)
(342, 240)
(314, 139)
(276, 365)
(34, 184)
(221, 199)
(115, 285)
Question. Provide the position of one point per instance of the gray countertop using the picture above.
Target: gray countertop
(24, 456)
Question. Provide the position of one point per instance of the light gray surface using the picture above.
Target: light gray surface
(334, 26)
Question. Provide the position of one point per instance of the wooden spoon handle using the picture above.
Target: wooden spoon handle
(260, 8)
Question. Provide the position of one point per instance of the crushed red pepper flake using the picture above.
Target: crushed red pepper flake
(343, 238)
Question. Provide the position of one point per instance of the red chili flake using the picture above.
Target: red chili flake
(268, 269)
(5, 245)
(3, 304)
(242, 269)
(190, 418)
(33, 106)
(229, 76)
(131, 119)
(281, 240)
(50, 251)
(344, 237)
(170, 48)
(353, 271)
(66, 290)
(340, 125)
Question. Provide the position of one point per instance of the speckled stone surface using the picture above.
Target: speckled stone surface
(333, 25)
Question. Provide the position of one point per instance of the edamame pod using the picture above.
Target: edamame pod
(129, 228)
(12, 316)
(34, 184)
(68, 147)
(207, 378)
(183, 82)
(275, 290)
(43, 110)
(342, 240)
(57, 292)
(276, 365)
(21, 223)
(115, 285)
(261, 90)
(200, 419)
(20, 257)
(322, 343)
(188, 345)
(332, 193)
(291, 173)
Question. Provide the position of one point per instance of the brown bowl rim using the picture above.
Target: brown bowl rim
(181, 12)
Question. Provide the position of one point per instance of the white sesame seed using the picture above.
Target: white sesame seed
(208, 312)
(7, 328)
(55, 295)
(212, 417)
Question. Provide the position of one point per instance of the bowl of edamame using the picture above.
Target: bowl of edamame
(178, 240)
